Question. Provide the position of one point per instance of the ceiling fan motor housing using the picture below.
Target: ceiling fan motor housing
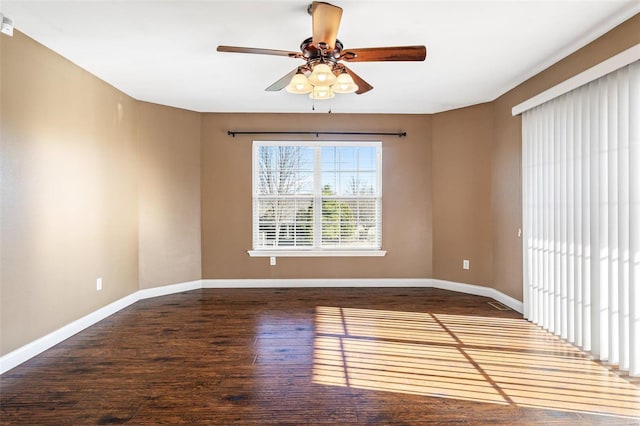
(317, 54)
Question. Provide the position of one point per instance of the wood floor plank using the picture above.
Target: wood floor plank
(316, 356)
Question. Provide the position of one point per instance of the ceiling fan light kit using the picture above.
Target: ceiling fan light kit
(322, 92)
(344, 83)
(321, 83)
(299, 84)
(323, 75)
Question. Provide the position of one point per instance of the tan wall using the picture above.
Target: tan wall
(226, 198)
(69, 197)
(169, 195)
(506, 153)
(93, 184)
(462, 194)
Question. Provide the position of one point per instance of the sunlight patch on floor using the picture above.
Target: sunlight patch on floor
(484, 359)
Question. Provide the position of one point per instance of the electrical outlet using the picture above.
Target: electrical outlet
(465, 264)
(98, 284)
(272, 261)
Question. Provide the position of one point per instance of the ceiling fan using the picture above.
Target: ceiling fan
(323, 74)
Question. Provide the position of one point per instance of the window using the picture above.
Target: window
(317, 198)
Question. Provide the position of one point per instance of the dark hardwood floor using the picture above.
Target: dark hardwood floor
(316, 356)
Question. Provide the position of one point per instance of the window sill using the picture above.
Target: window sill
(316, 253)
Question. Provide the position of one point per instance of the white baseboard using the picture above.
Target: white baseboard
(164, 290)
(20, 355)
(316, 282)
(476, 290)
(28, 351)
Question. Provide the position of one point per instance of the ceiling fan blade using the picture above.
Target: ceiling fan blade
(325, 23)
(236, 49)
(363, 86)
(283, 82)
(374, 54)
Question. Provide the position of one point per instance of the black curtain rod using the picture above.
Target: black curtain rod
(398, 134)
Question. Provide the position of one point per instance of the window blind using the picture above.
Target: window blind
(581, 216)
(317, 195)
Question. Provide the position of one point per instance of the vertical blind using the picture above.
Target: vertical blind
(581, 215)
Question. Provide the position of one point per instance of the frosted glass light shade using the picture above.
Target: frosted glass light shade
(322, 75)
(299, 85)
(322, 92)
(344, 84)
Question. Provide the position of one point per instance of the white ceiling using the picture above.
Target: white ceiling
(164, 51)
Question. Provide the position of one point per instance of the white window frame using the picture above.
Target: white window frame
(314, 251)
